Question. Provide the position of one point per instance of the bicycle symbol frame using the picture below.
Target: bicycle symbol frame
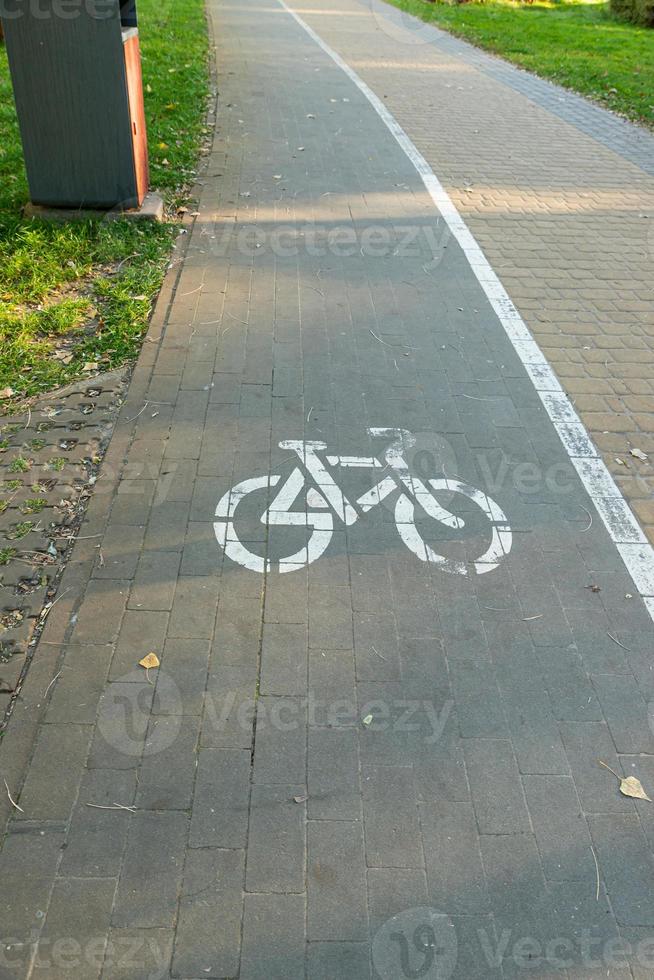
(326, 500)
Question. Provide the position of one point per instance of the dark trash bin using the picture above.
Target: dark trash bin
(76, 72)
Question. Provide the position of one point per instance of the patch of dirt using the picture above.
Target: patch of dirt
(49, 459)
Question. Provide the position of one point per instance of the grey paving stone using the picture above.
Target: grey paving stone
(560, 828)
(495, 786)
(101, 613)
(337, 908)
(134, 952)
(77, 691)
(627, 714)
(55, 772)
(237, 639)
(29, 859)
(182, 678)
(454, 869)
(477, 949)
(141, 633)
(516, 887)
(154, 582)
(220, 804)
(167, 772)
(273, 937)
(462, 630)
(280, 752)
(176, 481)
(392, 891)
(284, 659)
(599, 653)
(376, 646)
(479, 706)
(194, 608)
(569, 687)
(330, 618)
(287, 598)
(638, 949)
(123, 718)
(581, 918)
(207, 491)
(208, 937)
(533, 728)
(76, 927)
(230, 707)
(642, 767)
(347, 961)
(585, 744)
(333, 775)
(133, 501)
(422, 663)
(627, 872)
(276, 858)
(201, 554)
(97, 836)
(332, 688)
(166, 530)
(437, 753)
(390, 814)
(119, 552)
(155, 853)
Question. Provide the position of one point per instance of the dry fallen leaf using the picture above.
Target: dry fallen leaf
(629, 785)
(6, 392)
(633, 787)
(152, 660)
(90, 366)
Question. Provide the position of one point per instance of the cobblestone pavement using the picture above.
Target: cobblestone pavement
(395, 637)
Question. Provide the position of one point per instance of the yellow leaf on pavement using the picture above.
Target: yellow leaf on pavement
(633, 787)
(629, 785)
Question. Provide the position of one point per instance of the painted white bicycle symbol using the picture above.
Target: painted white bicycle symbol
(326, 499)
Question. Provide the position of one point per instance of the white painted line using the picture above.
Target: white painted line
(638, 557)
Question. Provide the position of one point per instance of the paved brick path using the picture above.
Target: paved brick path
(372, 766)
(559, 194)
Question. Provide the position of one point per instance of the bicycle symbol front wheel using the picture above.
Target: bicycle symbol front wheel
(501, 537)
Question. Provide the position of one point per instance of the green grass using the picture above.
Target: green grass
(81, 293)
(577, 44)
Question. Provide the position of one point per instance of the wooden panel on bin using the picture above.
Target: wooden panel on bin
(137, 112)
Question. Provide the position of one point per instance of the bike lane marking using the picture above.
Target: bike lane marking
(618, 518)
(413, 491)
